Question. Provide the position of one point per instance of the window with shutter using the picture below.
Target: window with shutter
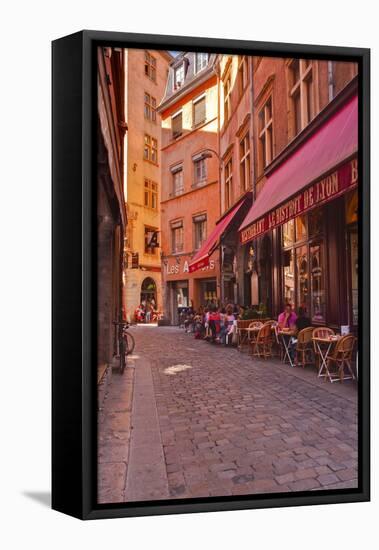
(177, 125)
(199, 112)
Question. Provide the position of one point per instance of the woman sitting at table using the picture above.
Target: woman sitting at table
(287, 319)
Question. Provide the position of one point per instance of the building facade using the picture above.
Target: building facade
(111, 212)
(145, 84)
(301, 232)
(190, 202)
(236, 152)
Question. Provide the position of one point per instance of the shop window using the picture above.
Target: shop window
(317, 276)
(316, 222)
(302, 277)
(353, 245)
(289, 277)
(288, 231)
(352, 207)
(301, 228)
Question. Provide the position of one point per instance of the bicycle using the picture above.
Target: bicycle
(126, 343)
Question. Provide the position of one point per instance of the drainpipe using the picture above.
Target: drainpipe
(330, 80)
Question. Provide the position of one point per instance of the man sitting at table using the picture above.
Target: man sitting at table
(302, 320)
(287, 319)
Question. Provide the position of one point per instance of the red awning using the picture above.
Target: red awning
(201, 258)
(330, 146)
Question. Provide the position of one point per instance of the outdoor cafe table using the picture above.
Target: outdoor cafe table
(323, 346)
(285, 336)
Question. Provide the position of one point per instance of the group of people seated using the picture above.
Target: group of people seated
(147, 312)
(212, 323)
(216, 324)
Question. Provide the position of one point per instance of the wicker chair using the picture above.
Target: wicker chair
(253, 335)
(340, 357)
(263, 344)
(320, 332)
(304, 351)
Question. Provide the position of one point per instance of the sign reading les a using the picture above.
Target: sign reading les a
(316, 194)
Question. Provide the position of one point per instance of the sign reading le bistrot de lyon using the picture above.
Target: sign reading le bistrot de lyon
(316, 194)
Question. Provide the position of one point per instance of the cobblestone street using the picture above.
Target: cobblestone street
(210, 421)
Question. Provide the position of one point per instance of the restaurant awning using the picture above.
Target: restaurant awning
(295, 186)
(201, 258)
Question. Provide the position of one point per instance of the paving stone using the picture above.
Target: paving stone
(228, 429)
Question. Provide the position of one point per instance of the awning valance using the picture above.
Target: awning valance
(324, 167)
(201, 258)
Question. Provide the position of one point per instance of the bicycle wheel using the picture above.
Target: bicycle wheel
(129, 343)
(123, 354)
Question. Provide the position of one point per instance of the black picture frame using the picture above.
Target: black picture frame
(74, 275)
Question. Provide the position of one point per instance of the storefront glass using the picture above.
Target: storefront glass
(304, 264)
(317, 269)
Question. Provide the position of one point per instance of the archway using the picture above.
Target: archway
(149, 292)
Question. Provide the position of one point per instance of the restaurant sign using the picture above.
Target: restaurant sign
(317, 194)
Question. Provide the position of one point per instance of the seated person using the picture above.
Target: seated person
(214, 323)
(287, 319)
(227, 325)
(302, 320)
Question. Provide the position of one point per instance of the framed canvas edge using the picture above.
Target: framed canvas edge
(88, 506)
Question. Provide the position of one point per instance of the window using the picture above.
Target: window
(177, 235)
(151, 243)
(242, 73)
(245, 162)
(150, 151)
(304, 264)
(177, 180)
(199, 111)
(301, 92)
(177, 125)
(150, 67)
(200, 170)
(227, 97)
(228, 176)
(150, 108)
(179, 76)
(151, 194)
(200, 230)
(265, 141)
(201, 61)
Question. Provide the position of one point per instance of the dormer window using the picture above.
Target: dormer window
(201, 61)
(179, 76)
